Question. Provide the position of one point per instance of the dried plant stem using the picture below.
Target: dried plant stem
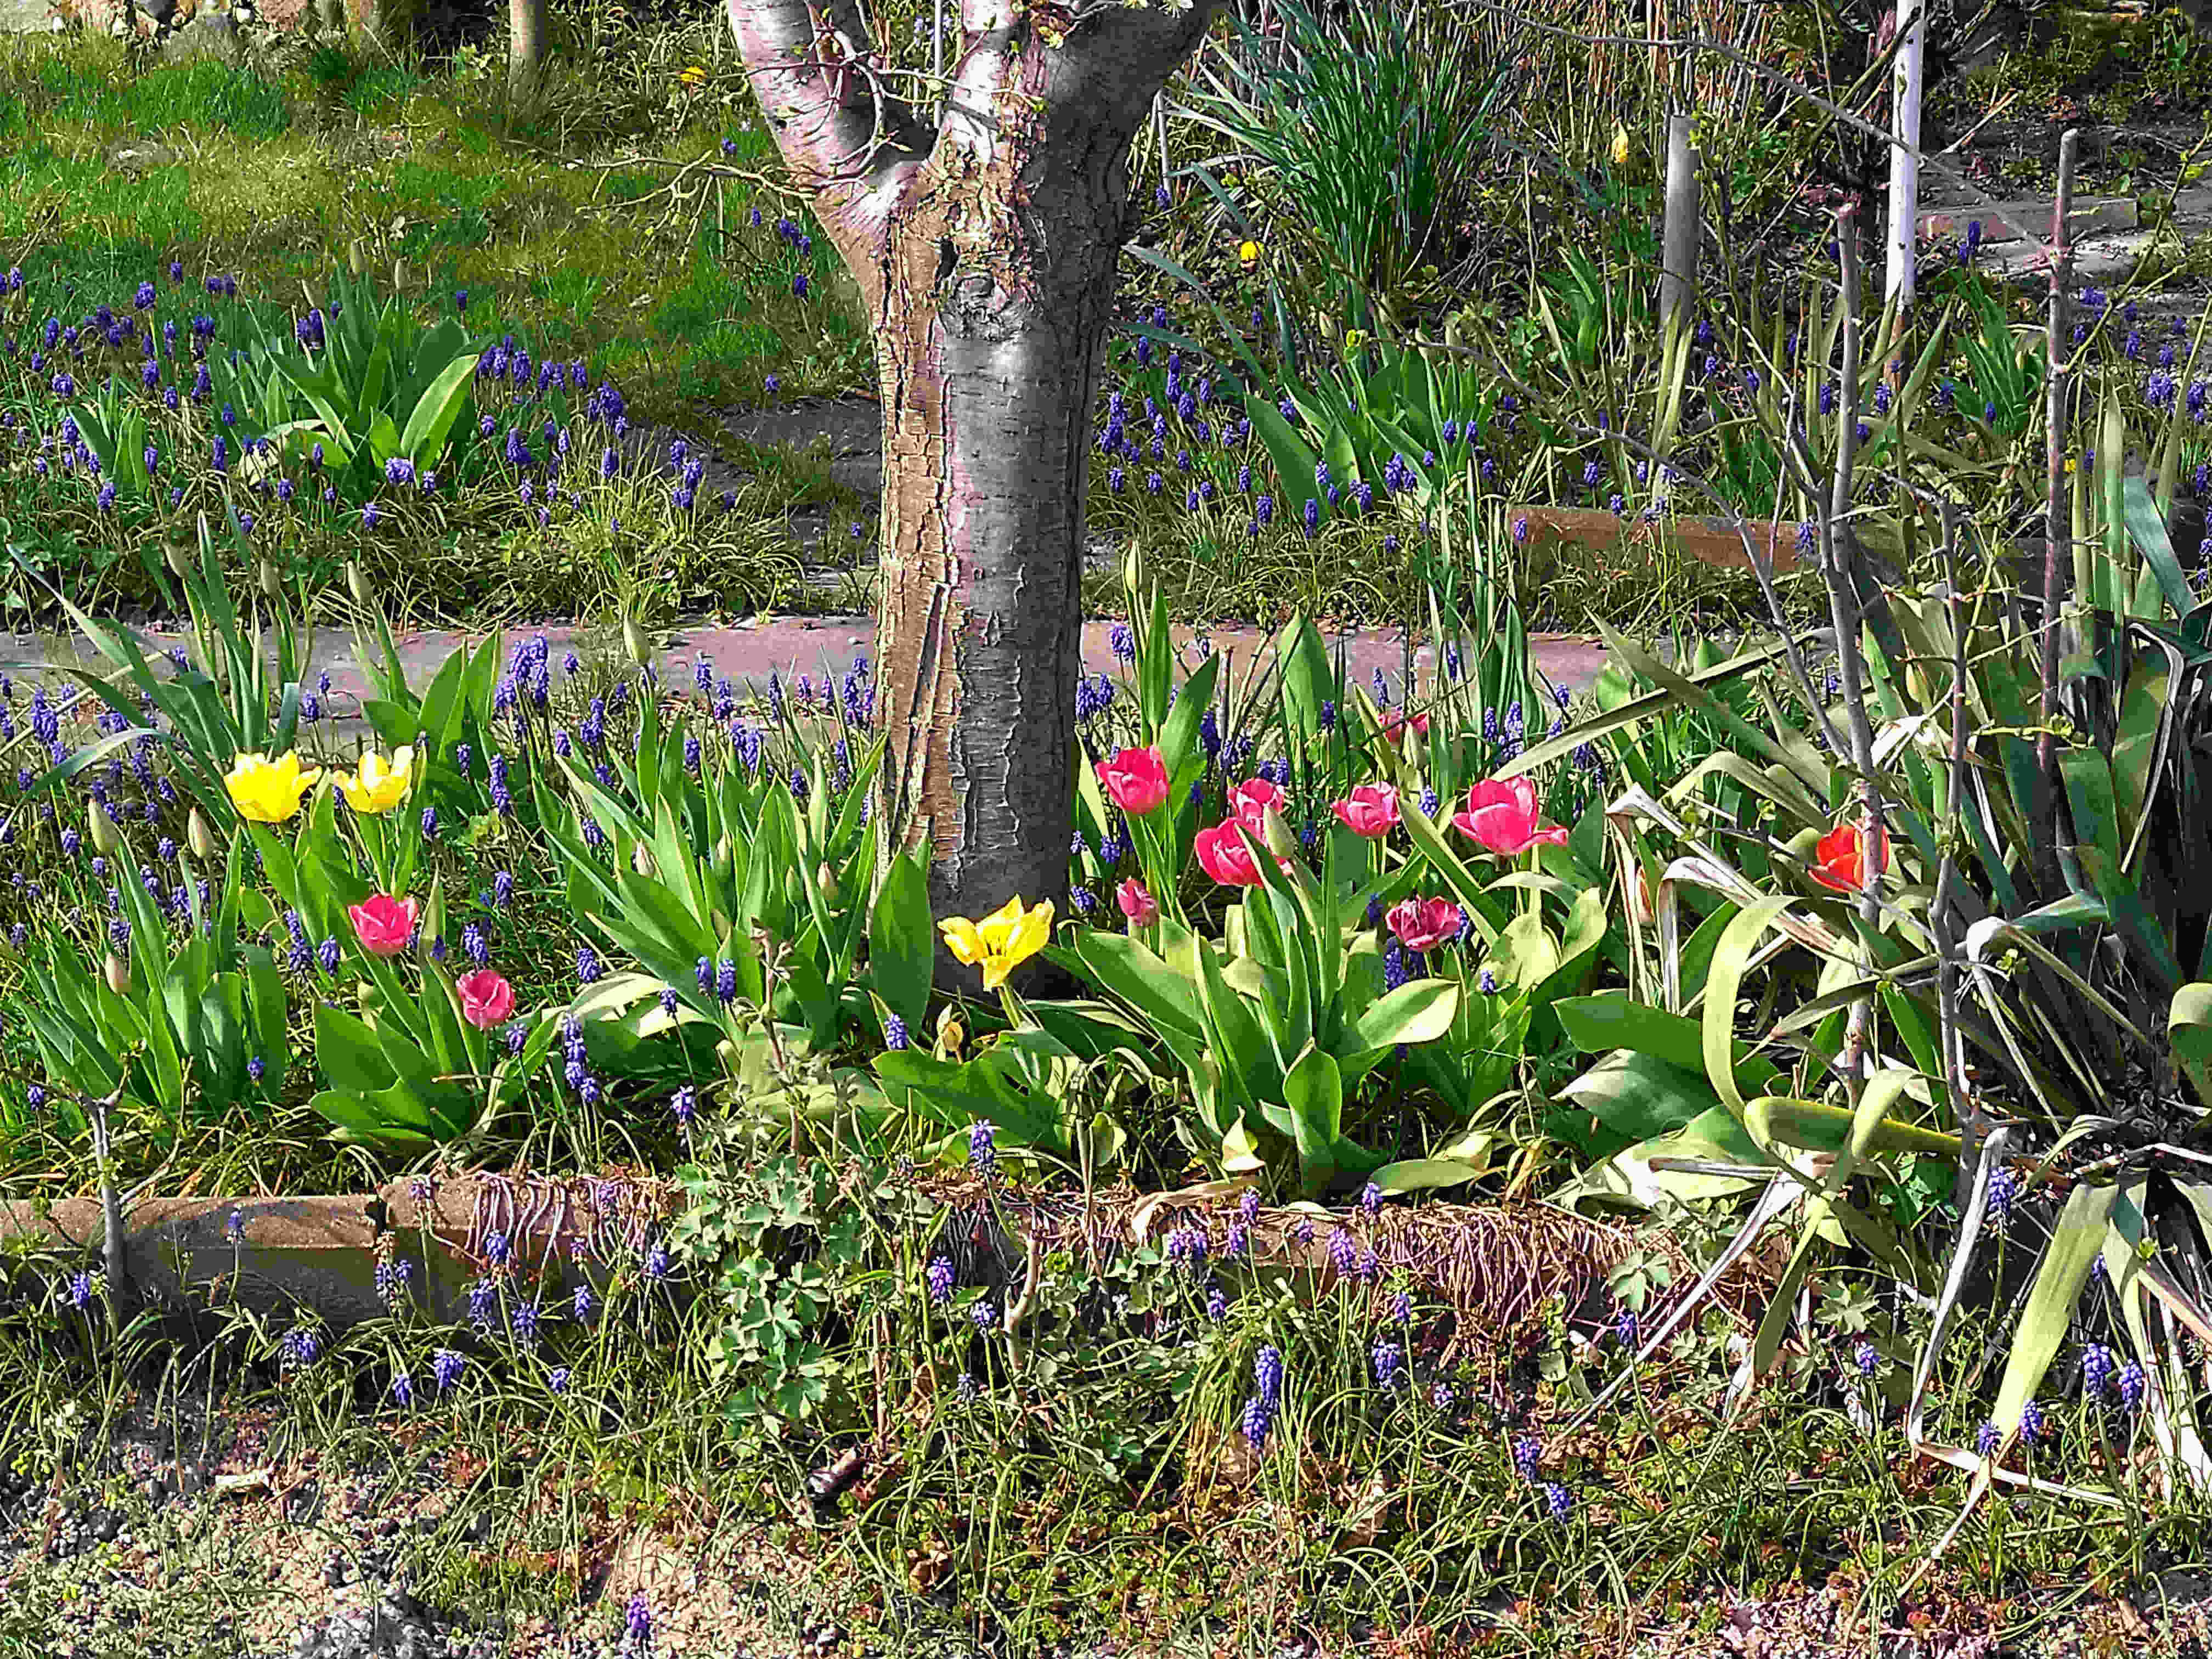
(2058, 519)
(1839, 567)
(1943, 915)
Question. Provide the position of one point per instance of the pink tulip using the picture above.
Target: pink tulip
(1224, 854)
(1250, 799)
(1134, 780)
(1371, 811)
(1504, 818)
(1424, 924)
(486, 998)
(384, 924)
(1137, 903)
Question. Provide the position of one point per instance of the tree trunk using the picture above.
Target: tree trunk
(526, 46)
(985, 252)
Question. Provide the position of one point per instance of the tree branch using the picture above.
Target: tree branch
(849, 144)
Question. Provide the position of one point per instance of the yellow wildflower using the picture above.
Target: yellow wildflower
(377, 787)
(268, 791)
(1002, 941)
(1248, 252)
(692, 75)
(1354, 339)
(1619, 146)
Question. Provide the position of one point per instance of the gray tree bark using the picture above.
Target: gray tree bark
(984, 250)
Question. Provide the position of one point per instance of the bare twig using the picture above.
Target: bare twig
(112, 1250)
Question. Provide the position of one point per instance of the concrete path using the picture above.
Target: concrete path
(817, 646)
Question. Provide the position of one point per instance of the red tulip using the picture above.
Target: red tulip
(1506, 819)
(1224, 854)
(1137, 903)
(384, 924)
(1371, 811)
(1250, 799)
(1135, 780)
(1840, 861)
(486, 998)
(1395, 727)
(1424, 924)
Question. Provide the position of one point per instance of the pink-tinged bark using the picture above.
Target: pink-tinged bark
(984, 250)
(526, 46)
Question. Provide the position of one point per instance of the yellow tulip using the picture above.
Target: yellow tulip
(1249, 253)
(1621, 147)
(268, 791)
(376, 788)
(1002, 941)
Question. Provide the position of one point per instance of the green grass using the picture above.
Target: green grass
(206, 97)
(291, 175)
(380, 92)
(1079, 1507)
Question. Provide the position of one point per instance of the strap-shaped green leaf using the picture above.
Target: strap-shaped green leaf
(1723, 981)
(2064, 1269)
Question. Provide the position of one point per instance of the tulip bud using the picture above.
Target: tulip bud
(949, 1034)
(353, 256)
(357, 583)
(272, 587)
(119, 974)
(434, 919)
(197, 838)
(642, 861)
(400, 275)
(173, 554)
(104, 838)
(826, 880)
(635, 642)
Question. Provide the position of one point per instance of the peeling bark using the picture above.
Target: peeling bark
(985, 251)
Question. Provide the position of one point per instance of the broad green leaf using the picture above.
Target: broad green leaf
(1126, 968)
(1313, 1089)
(1730, 958)
(1638, 1095)
(2075, 1243)
(1420, 1013)
(1611, 1020)
(378, 1122)
(2189, 1031)
(434, 413)
(902, 941)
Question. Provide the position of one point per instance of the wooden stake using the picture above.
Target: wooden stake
(1904, 153)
